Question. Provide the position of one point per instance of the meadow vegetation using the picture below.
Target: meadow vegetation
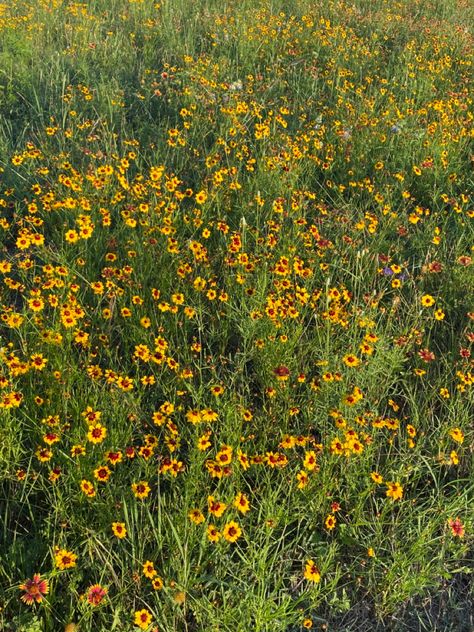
(236, 315)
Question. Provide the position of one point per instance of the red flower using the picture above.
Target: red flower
(35, 589)
(95, 594)
(434, 267)
(281, 372)
(457, 528)
(426, 355)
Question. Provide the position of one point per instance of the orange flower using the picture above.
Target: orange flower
(35, 589)
(96, 594)
(457, 527)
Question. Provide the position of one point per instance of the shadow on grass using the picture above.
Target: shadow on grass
(450, 609)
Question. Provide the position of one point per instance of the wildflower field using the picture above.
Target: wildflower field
(236, 315)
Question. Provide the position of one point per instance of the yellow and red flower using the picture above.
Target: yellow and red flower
(35, 589)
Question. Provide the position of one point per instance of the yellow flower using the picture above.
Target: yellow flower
(232, 531)
(97, 433)
(64, 559)
(149, 570)
(194, 416)
(394, 491)
(242, 503)
(427, 300)
(457, 435)
(196, 516)
(119, 530)
(72, 236)
(311, 572)
(376, 477)
(302, 478)
(201, 197)
(88, 488)
(212, 533)
(351, 360)
(310, 460)
(215, 507)
(330, 522)
(143, 618)
(157, 583)
(36, 304)
(141, 489)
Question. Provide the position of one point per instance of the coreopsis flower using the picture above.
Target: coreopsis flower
(454, 459)
(97, 433)
(157, 583)
(311, 572)
(201, 197)
(35, 589)
(141, 489)
(330, 522)
(215, 507)
(203, 442)
(310, 460)
(302, 478)
(242, 503)
(224, 456)
(196, 516)
(38, 362)
(119, 530)
(142, 618)
(217, 390)
(65, 559)
(88, 488)
(149, 569)
(232, 531)
(426, 355)
(351, 360)
(427, 300)
(457, 435)
(394, 491)
(213, 533)
(102, 473)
